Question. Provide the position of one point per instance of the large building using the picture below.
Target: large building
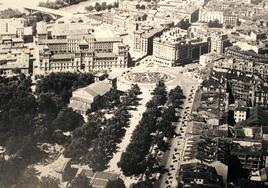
(248, 88)
(223, 17)
(83, 98)
(81, 50)
(240, 114)
(143, 40)
(175, 47)
(249, 153)
(249, 145)
(199, 175)
(219, 42)
(15, 57)
(222, 12)
(13, 27)
(84, 60)
(15, 62)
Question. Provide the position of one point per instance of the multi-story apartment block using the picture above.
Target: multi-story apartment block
(219, 42)
(243, 61)
(242, 65)
(11, 43)
(229, 18)
(15, 57)
(15, 62)
(250, 154)
(248, 143)
(199, 175)
(206, 15)
(218, 39)
(248, 88)
(143, 40)
(55, 45)
(236, 52)
(240, 114)
(13, 27)
(225, 17)
(175, 47)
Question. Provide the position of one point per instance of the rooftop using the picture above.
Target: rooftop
(63, 56)
(97, 88)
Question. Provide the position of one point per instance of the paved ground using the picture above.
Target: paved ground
(175, 154)
(171, 160)
(134, 120)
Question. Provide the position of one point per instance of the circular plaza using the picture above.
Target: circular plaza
(147, 77)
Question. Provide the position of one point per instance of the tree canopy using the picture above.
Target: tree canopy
(118, 183)
(155, 125)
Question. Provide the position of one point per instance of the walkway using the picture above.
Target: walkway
(134, 121)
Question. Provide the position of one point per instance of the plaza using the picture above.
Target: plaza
(147, 77)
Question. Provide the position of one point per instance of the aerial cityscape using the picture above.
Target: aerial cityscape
(133, 93)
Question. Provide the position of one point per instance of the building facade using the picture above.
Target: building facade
(175, 47)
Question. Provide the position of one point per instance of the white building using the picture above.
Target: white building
(209, 59)
(175, 47)
(219, 42)
(240, 114)
(83, 98)
(12, 27)
(222, 16)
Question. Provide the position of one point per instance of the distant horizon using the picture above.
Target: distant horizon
(18, 4)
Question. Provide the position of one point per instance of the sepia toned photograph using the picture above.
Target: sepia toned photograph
(133, 93)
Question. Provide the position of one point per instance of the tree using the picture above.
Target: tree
(103, 6)
(28, 179)
(46, 104)
(61, 85)
(81, 181)
(116, 4)
(58, 137)
(68, 120)
(48, 182)
(136, 89)
(118, 183)
(161, 144)
(97, 6)
(43, 128)
(10, 13)
(143, 184)
(214, 23)
(160, 92)
(76, 148)
(10, 170)
(89, 8)
(109, 6)
(142, 7)
(97, 159)
(175, 97)
(131, 163)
